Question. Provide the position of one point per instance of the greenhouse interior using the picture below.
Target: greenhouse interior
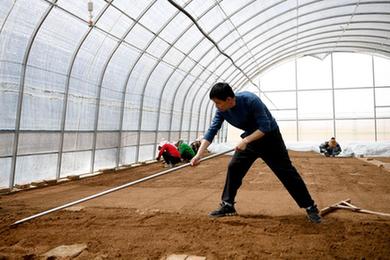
(90, 86)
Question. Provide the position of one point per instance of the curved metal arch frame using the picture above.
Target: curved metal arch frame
(207, 106)
(181, 120)
(182, 107)
(109, 2)
(305, 30)
(191, 109)
(300, 16)
(211, 7)
(304, 14)
(7, 16)
(120, 40)
(245, 81)
(158, 61)
(185, 98)
(21, 91)
(197, 77)
(252, 56)
(294, 54)
(310, 35)
(100, 84)
(151, 73)
(319, 33)
(189, 89)
(235, 29)
(125, 86)
(366, 49)
(53, 4)
(67, 86)
(314, 28)
(195, 64)
(193, 100)
(292, 9)
(333, 89)
(320, 50)
(167, 80)
(261, 68)
(263, 63)
(287, 11)
(161, 94)
(213, 29)
(277, 16)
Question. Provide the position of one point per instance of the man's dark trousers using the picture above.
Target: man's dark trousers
(272, 150)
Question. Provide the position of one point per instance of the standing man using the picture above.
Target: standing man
(261, 139)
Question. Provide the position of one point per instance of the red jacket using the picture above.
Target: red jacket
(171, 149)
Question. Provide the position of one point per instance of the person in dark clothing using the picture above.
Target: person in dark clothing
(170, 154)
(195, 145)
(330, 148)
(261, 139)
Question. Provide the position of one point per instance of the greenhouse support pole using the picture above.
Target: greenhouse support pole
(374, 97)
(333, 96)
(115, 189)
(19, 109)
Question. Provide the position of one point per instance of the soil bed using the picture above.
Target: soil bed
(168, 215)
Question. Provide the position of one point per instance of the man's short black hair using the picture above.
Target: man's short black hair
(221, 91)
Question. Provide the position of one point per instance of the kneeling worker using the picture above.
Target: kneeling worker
(170, 154)
(185, 151)
(330, 148)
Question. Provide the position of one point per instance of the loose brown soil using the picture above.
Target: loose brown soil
(382, 159)
(168, 215)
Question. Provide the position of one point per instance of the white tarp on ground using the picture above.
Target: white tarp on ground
(367, 149)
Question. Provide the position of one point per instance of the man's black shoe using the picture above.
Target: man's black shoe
(225, 209)
(313, 214)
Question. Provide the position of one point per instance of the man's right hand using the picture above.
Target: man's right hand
(195, 160)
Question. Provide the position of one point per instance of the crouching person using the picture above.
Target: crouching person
(330, 148)
(170, 154)
(196, 144)
(185, 151)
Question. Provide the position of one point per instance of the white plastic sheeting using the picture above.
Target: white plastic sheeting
(366, 149)
(83, 98)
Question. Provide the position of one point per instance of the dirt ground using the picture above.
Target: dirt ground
(168, 215)
(382, 159)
